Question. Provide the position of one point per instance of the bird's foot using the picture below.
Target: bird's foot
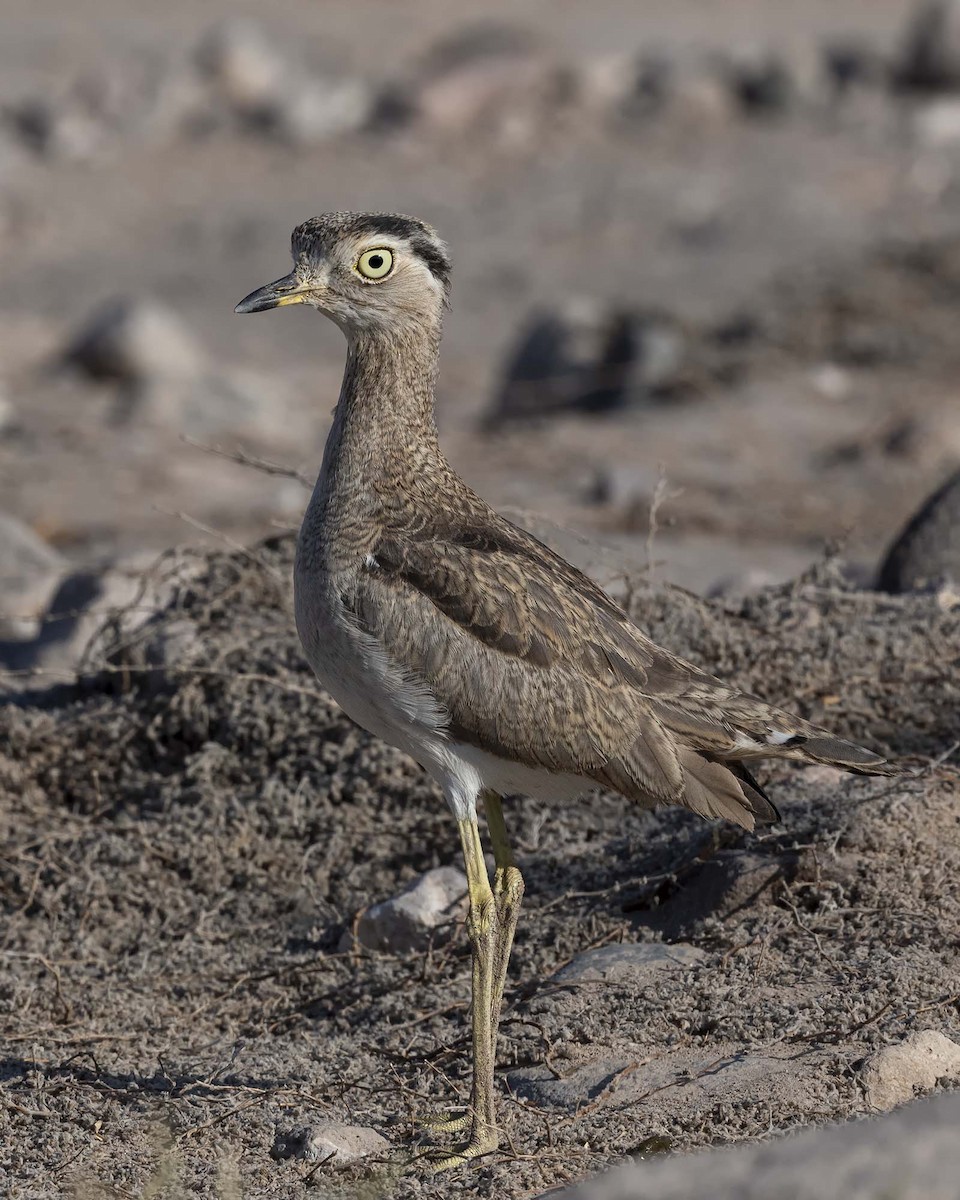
(447, 1124)
(483, 1140)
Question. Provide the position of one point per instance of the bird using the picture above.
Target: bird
(458, 637)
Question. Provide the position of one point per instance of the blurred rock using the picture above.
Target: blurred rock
(134, 341)
(850, 63)
(491, 79)
(622, 961)
(319, 109)
(606, 85)
(929, 58)
(29, 571)
(414, 919)
(59, 128)
(699, 97)
(936, 124)
(578, 1087)
(208, 403)
(927, 551)
(626, 488)
(758, 79)
(247, 71)
(96, 617)
(623, 85)
(742, 583)
(894, 1074)
(252, 84)
(914, 1155)
(329, 1142)
(831, 381)
(7, 414)
(590, 357)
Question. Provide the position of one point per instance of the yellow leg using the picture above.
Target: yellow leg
(507, 896)
(482, 928)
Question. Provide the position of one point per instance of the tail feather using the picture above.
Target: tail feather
(823, 748)
(713, 789)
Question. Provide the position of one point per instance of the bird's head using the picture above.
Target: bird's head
(368, 272)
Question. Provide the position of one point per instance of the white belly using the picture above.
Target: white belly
(353, 668)
(380, 696)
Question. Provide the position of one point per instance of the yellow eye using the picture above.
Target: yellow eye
(375, 264)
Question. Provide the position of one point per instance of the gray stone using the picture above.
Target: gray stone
(588, 356)
(629, 961)
(730, 1077)
(929, 57)
(488, 78)
(237, 58)
(7, 415)
(419, 916)
(575, 1089)
(207, 403)
(93, 613)
(318, 109)
(927, 551)
(936, 125)
(61, 129)
(329, 1143)
(759, 80)
(29, 572)
(133, 341)
(893, 1075)
(913, 1155)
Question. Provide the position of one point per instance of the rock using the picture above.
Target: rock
(731, 1077)
(623, 85)
(929, 58)
(927, 551)
(488, 78)
(61, 129)
(134, 341)
(831, 381)
(7, 415)
(699, 97)
(893, 1075)
(415, 918)
(247, 72)
(29, 571)
(235, 401)
(92, 613)
(330, 1143)
(589, 357)
(758, 79)
(849, 63)
(937, 123)
(913, 1155)
(320, 109)
(626, 488)
(628, 961)
(738, 584)
(577, 1088)
(252, 85)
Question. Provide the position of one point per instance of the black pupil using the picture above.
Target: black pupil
(376, 261)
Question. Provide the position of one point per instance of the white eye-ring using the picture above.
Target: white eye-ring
(375, 264)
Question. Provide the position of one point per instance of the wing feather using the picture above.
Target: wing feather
(533, 662)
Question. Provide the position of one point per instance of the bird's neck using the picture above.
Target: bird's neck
(384, 435)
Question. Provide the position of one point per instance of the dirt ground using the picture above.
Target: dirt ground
(189, 830)
(185, 846)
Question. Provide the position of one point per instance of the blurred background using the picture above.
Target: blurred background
(707, 269)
